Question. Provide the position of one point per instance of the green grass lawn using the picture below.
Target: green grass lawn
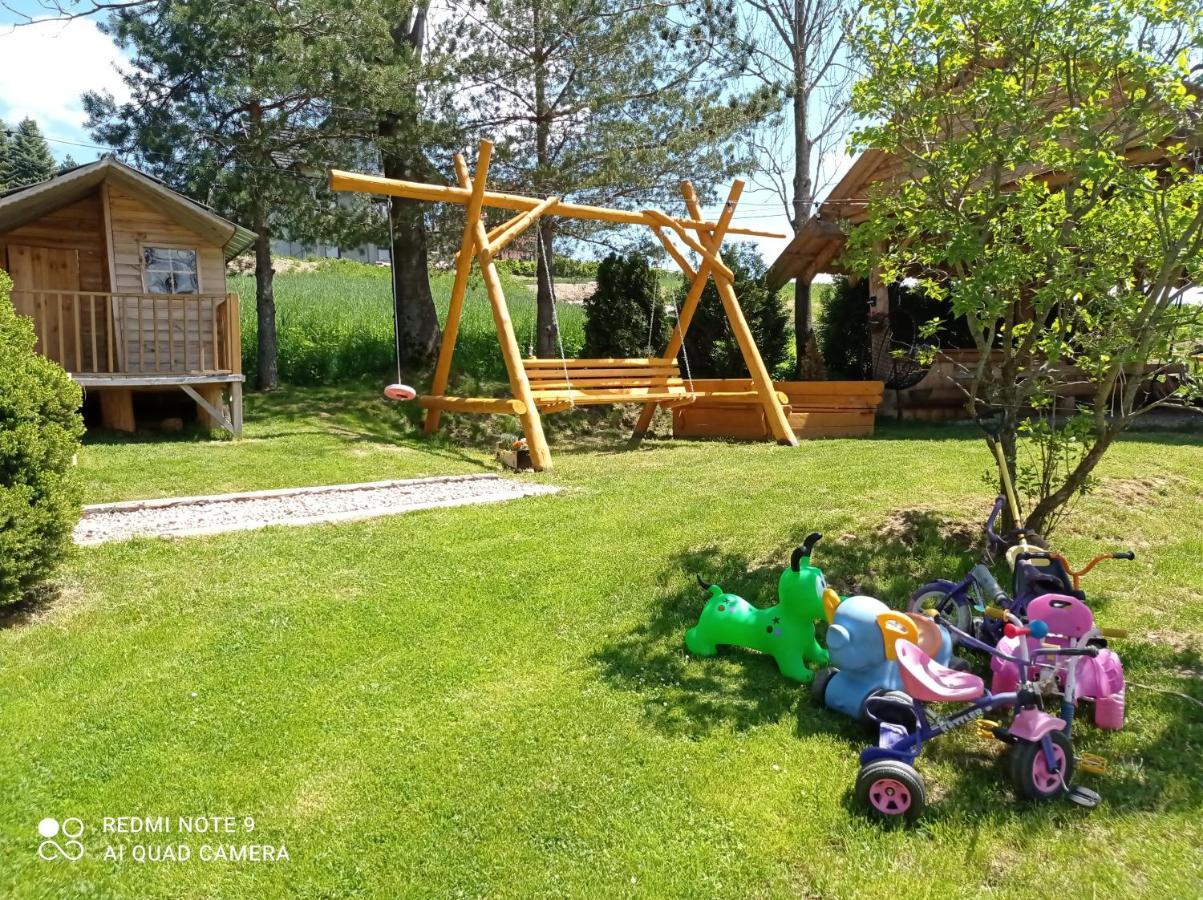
(495, 701)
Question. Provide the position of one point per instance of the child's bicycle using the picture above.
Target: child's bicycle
(1041, 755)
(1036, 572)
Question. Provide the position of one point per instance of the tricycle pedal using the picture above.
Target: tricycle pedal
(1092, 763)
(987, 729)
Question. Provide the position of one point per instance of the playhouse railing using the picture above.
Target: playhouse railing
(95, 333)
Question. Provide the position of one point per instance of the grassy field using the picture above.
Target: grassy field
(494, 701)
(337, 323)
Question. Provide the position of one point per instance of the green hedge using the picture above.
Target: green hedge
(40, 429)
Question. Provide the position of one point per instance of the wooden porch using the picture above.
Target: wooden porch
(118, 342)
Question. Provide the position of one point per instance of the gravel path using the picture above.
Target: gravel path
(179, 516)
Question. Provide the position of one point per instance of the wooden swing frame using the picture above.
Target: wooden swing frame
(651, 382)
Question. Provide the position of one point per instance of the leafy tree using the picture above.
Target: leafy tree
(40, 430)
(625, 315)
(1053, 196)
(797, 49)
(29, 159)
(603, 101)
(239, 105)
(711, 350)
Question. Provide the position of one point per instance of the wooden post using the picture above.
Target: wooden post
(690, 306)
(463, 267)
(117, 409)
(236, 406)
(532, 425)
(774, 413)
(213, 395)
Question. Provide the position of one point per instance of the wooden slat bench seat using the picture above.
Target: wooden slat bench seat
(558, 384)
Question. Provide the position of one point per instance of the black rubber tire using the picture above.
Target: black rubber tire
(960, 664)
(893, 770)
(1023, 755)
(960, 614)
(818, 687)
(895, 707)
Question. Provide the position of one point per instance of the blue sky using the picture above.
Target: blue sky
(45, 67)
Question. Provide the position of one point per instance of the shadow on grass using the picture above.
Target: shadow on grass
(740, 690)
(35, 603)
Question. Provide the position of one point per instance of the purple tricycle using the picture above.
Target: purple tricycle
(1036, 571)
(1041, 755)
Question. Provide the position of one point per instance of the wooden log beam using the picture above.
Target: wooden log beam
(519, 224)
(435, 193)
(481, 405)
(459, 287)
(690, 306)
(717, 266)
(681, 261)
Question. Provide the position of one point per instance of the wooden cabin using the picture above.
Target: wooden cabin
(125, 281)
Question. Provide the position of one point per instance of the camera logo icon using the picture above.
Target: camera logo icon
(69, 831)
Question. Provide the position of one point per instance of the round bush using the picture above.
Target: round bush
(711, 350)
(624, 317)
(40, 428)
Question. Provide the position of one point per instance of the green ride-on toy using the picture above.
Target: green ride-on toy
(785, 631)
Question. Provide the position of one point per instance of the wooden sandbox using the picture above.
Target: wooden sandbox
(816, 409)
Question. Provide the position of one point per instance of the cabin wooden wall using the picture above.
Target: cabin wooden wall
(75, 231)
(136, 224)
(181, 327)
(80, 227)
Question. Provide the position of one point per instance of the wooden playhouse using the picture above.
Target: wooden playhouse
(125, 281)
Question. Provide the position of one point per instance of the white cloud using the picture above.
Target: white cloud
(46, 66)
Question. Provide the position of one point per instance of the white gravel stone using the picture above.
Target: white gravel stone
(180, 516)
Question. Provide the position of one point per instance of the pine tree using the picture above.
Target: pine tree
(5, 155)
(67, 164)
(29, 156)
(625, 315)
(602, 101)
(248, 132)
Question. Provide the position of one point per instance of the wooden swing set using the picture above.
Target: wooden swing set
(554, 385)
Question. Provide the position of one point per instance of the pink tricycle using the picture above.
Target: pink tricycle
(1099, 679)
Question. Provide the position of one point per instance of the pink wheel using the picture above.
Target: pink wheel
(1034, 778)
(891, 790)
(400, 392)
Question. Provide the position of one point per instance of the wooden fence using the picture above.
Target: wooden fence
(135, 334)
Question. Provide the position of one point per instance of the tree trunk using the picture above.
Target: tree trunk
(547, 341)
(803, 186)
(801, 324)
(417, 319)
(1039, 517)
(268, 377)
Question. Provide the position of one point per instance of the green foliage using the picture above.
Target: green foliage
(564, 267)
(5, 154)
(625, 315)
(28, 157)
(843, 330)
(1079, 278)
(335, 323)
(710, 348)
(40, 430)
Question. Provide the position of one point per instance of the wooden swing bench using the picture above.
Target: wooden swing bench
(557, 385)
(541, 386)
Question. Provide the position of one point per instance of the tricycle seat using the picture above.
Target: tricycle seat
(928, 681)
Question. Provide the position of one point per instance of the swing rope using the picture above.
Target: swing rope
(555, 317)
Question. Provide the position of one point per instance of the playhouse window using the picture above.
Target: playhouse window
(166, 270)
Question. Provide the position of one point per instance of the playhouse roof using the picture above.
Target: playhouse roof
(19, 206)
